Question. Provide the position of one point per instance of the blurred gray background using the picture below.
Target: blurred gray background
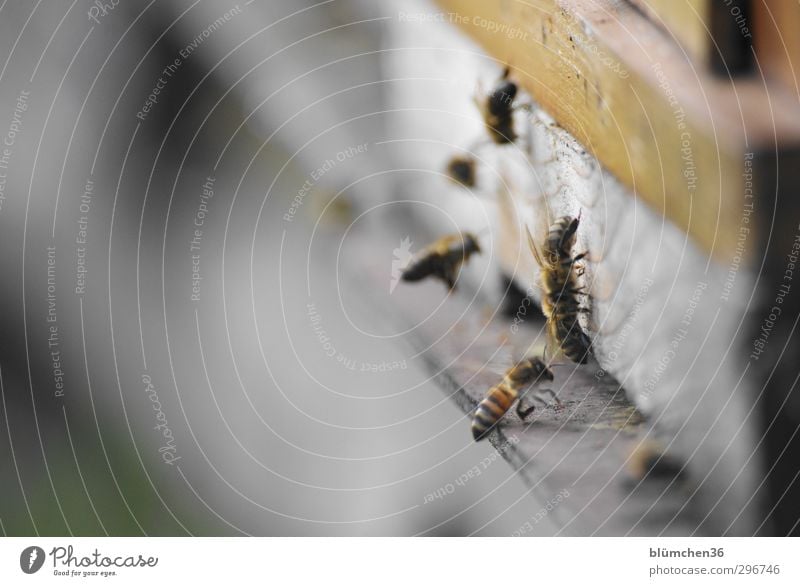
(178, 357)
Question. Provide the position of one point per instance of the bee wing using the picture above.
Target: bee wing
(426, 261)
(442, 246)
(497, 366)
(533, 247)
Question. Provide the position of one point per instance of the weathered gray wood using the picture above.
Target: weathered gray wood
(582, 448)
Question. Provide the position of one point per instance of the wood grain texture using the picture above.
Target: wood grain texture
(777, 33)
(687, 21)
(674, 134)
(582, 450)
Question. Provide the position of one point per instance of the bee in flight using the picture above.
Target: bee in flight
(513, 387)
(497, 110)
(461, 169)
(560, 291)
(443, 259)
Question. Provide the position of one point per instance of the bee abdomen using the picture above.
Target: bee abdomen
(490, 410)
(419, 270)
(576, 345)
(560, 235)
(502, 132)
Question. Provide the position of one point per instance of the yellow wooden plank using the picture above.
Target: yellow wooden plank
(686, 21)
(676, 135)
(777, 34)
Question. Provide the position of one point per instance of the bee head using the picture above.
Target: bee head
(471, 244)
(462, 170)
(539, 370)
(530, 370)
(567, 239)
(501, 99)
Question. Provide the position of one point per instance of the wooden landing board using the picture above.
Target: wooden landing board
(581, 448)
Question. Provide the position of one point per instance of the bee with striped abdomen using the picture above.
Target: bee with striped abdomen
(560, 291)
(443, 259)
(500, 398)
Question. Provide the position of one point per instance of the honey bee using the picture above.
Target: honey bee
(560, 291)
(498, 400)
(648, 460)
(461, 169)
(497, 110)
(443, 259)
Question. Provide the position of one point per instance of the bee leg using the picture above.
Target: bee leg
(570, 263)
(546, 397)
(550, 393)
(580, 270)
(586, 255)
(569, 232)
(522, 413)
(450, 276)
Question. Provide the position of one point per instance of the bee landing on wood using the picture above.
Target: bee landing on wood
(500, 398)
(443, 259)
(497, 110)
(559, 273)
